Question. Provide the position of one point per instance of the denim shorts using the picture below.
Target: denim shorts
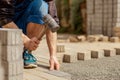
(30, 11)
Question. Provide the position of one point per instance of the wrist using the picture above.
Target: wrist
(52, 56)
(25, 41)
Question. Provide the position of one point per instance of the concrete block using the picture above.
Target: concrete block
(18, 38)
(12, 68)
(10, 36)
(117, 28)
(2, 76)
(90, 38)
(117, 34)
(10, 78)
(117, 51)
(94, 38)
(0, 53)
(104, 39)
(97, 53)
(73, 39)
(109, 52)
(60, 74)
(19, 69)
(86, 55)
(12, 53)
(15, 77)
(63, 40)
(114, 39)
(20, 76)
(60, 48)
(60, 58)
(69, 58)
(81, 38)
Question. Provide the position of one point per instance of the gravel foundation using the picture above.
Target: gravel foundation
(107, 68)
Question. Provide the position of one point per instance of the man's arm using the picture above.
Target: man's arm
(52, 37)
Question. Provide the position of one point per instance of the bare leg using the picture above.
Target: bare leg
(37, 30)
(51, 41)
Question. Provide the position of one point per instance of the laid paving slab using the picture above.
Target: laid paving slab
(84, 55)
(43, 74)
(29, 76)
(97, 53)
(60, 74)
(104, 39)
(73, 39)
(117, 51)
(69, 57)
(81, 38)
(60, 48)
(63, 40)
(91, 38)
(114, 39)
(94, 38)
(60, 57)
(109, 52)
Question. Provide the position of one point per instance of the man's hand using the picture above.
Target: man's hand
(54, 64)
(32, 44)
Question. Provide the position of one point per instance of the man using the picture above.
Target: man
(33, 25)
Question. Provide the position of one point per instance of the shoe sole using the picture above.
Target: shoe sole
(30, 66)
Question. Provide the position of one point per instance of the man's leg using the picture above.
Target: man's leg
(37, 30)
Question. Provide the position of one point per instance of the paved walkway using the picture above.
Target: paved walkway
(42, 54)
(43, 72)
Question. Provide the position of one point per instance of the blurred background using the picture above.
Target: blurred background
(72, 15)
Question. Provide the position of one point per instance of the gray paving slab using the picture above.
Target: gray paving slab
(60, 48)
(12, 53)
(114, 39)
(117, 51)
(97, 53)
(60, 74)
(12, 68)
(86, 55)
(109, 52)
(10, 36)
(69, 58)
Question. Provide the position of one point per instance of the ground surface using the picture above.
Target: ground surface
(107, 68)
(96, 69)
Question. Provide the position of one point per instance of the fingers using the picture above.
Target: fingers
(33, 44)
(35, 40)
(54, 64)
(51, 65)
(57, 66)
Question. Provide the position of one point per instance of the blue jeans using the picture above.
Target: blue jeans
(30, 11)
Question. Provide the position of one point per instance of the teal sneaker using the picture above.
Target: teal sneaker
(29, 60)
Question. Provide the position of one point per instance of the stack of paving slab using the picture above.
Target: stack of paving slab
(103, 16)
(11, 48)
